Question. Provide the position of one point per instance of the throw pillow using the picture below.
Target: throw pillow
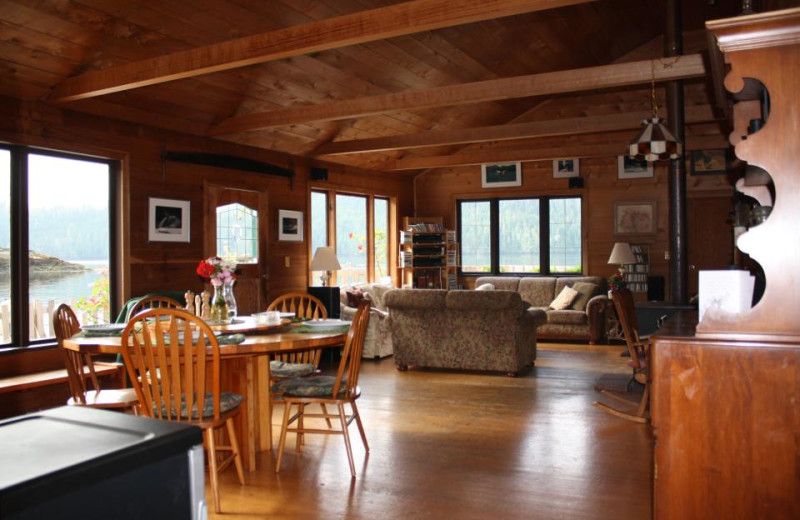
(564, 299)
(585, 292)
(485, 287)
(354, 297)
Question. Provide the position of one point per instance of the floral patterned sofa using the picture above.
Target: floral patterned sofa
(472, 330)
(378, 340)
(588, 322)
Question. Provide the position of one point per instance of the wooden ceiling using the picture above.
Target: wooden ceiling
(383, 85)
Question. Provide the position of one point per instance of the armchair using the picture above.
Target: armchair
(378, 339)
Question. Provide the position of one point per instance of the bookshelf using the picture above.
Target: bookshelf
(636, 274)
(428, 254)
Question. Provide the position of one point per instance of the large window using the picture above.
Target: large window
(521, 236)
(358, 227)
(61, 243)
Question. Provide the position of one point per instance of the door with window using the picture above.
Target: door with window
(235, 229)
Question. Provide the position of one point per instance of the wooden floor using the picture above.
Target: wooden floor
(469, 446)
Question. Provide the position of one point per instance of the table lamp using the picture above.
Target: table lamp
(325, 260)
(621, 255)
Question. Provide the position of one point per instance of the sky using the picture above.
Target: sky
(56, 181)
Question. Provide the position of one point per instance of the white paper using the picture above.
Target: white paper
(724, 292)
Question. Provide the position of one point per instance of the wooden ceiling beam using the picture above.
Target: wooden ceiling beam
(362, 27)
(572, 126)
(590, 78)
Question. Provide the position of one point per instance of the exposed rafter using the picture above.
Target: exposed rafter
(366, 26)
(571, 126)
(590, 78)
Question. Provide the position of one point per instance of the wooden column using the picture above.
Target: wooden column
(678, 231)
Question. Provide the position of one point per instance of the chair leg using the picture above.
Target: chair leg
(285, 424)
(212, 464)
(237, 457)
(301, 410)
(343, 420)
(645, 401)
(623, 415)
(360, 426)
(325, 411)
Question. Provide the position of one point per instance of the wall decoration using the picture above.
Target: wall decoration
(635, 218)
(290, 225)
(565, 168)
(168, 220)
(709, 162)
(501, 175)
(628, 168)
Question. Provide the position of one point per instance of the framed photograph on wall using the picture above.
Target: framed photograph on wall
(290, 225)
(635, 218)
(565, 168)
(168, 220)
(628, 168)
(709, 162)
(501, 175)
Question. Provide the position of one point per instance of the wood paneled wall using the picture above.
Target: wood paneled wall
(151, 266)
(438, 190)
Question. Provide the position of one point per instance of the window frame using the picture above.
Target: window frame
(19, 277)
(494, 235)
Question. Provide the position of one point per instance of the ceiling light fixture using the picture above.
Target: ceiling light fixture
(655, 141)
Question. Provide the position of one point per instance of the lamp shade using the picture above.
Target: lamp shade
(655, 142)
(325, 260)
(622, 254)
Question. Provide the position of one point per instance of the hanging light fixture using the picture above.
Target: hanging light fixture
(655, 142)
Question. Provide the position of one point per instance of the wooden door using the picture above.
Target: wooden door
(251, 284)
(710, 236)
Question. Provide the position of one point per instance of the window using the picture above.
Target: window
(536, 235)
(63, 249)
(360, 233)
(237, 233)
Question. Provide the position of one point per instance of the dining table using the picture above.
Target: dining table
(244, 367)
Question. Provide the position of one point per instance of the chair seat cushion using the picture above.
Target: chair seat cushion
(282, 369)
(227, 401)
(315, 386)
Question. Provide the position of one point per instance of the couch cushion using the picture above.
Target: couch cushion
(485, 287)
(415, 298)
(566, 317)
(539, 291)
(564, 299)
(485, 301)
(501, 283)
(585, 291)
(569, 281)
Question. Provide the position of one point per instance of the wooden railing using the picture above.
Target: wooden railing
(40, 315)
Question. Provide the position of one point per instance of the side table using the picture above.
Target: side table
(329, 296)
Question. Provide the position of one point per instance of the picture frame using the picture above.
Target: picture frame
(635, 218)
(566, 168)
(168, 220)
(290, 225)
(709, 162)
(502, 175)
(628, 168)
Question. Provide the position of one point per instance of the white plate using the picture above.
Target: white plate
(106, 327)
(326, 324)
(286, 315)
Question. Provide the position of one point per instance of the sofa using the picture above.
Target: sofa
(378, 339)
(582, 320)
(470, 330)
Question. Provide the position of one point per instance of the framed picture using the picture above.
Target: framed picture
(290, 225)
(628, 168)
(709, 162)
(501, 175)
(635, 218)
(168, 220)
(564, 168)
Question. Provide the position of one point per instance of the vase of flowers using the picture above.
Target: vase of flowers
(616, 282)
(222, 274)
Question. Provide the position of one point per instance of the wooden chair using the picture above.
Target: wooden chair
(180, 353)
(339, 390)
(639, 350)
(153, 302)
(81, 367)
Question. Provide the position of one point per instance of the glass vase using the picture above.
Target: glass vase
(219, 308)
(230, 298)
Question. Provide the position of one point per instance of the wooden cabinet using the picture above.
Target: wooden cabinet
(428, 254)
(725, 392)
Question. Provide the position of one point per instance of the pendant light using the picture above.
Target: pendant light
(655, 141)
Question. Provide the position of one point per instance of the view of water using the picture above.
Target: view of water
(61, 287)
